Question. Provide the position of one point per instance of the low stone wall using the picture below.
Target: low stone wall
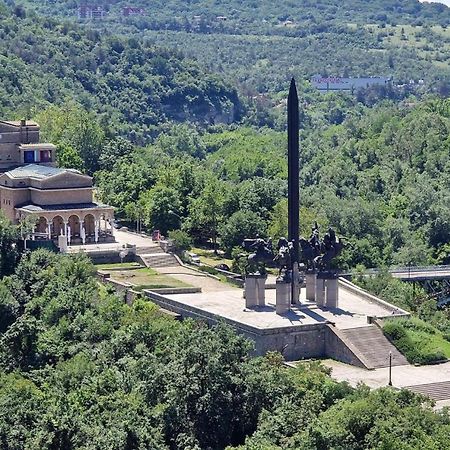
(181, 290)
(294, 343)
(339, 348)
(111, 256)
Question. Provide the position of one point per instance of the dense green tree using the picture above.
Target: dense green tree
(162, 208)
(69, 158)
(241, 225)
(9, 254)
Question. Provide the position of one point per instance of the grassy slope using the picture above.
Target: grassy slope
(420, 342)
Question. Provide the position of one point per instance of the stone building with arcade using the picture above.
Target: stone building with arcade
(60, 202)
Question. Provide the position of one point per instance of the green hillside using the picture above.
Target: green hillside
(240, 14)
(133, 87)
(260, 45)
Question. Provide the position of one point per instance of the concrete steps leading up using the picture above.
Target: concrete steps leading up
(374, 345)
(157, 260)
(150, 250)
(436, 391)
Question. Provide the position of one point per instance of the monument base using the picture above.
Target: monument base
(310, 280)
(332, 293)
(327, 290)
(255, 290)
(295, 300)
(283, 297)
(319, 294)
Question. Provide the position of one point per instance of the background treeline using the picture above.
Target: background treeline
(380, 177)
(81, 370)
(131, 85)
(374, 169)
(242, 14)
(407, 40)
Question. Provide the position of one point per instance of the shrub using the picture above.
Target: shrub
(181, 240)
(415, 350)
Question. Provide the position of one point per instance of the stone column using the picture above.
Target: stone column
(69, 234)
(311, 286)
(49, 230)
(33, 230)
(261, 290)
(250, 291)
(320, 291)
(111, 223)
(332, 292)
(97, 224)
(62, 243)
(296, 288)
(283, 297)
(65, 228)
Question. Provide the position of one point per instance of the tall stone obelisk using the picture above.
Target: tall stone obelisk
(293, 187)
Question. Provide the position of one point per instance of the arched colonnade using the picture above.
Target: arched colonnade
(79, 227)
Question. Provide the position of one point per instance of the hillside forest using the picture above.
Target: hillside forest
(79, 369)
(176, 146)
(179, 114)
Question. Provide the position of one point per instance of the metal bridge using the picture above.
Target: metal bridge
(434, 279)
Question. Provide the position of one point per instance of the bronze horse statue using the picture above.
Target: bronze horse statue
(262, 254)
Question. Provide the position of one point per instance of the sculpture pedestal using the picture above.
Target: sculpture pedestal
(327, 290)
(319, 294)
(332, 292)
(311, 286)
(296, 291)
(255, 290)
(261, 290)
(283, 297)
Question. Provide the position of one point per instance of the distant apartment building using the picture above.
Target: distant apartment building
(91, 12)
(130, 11)
(59, 201)
(335, 84)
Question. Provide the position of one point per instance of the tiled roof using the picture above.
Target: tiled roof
(38, 171)
(62, 207)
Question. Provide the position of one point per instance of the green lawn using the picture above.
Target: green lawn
(146, 278)
(431, 342)
(208, 257)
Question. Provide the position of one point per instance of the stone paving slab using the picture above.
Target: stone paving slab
(229, 303)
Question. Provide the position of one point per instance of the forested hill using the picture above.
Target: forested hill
(261, 44)
(243, 13)
(138, 86)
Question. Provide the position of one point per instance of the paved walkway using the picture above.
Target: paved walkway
(229, 303)
(402, 376)
(125, 237)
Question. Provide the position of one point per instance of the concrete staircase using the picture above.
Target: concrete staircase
(436, 391)
(373, 344)
(155, 258)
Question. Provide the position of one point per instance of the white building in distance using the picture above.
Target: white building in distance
(335, 84)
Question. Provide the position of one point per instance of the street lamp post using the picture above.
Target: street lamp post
(390, 369)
